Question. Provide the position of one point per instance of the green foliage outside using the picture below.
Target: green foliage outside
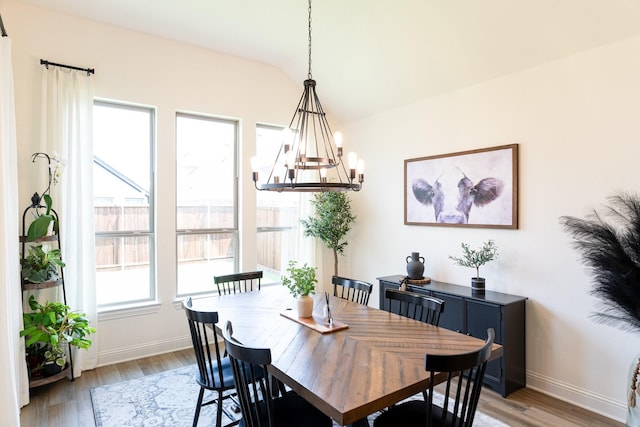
(331, 221)
(301, 280)
(475, 258)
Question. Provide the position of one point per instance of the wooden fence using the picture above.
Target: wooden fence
(129, 251)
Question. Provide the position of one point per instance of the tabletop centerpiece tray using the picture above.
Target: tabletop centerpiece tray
(314, 322)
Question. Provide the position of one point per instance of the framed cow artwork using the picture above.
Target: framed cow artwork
(477, 188)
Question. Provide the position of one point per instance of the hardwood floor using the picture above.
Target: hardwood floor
(68, 404)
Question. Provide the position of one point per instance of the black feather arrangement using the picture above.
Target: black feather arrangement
(609, 244)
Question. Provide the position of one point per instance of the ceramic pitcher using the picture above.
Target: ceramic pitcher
(415, 266)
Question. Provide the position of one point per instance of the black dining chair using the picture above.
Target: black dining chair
(464, 374)
(258, 402)
(352, 289)
(238, 282)
(415, 306)
(214, 371)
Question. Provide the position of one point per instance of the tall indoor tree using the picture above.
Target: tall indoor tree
(330, 222)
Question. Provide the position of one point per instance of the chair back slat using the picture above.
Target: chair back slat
(205, 346)
(465, 373)
(416, 306)
(212, 373)
(250, 366)
(238, 282)
(351, 289)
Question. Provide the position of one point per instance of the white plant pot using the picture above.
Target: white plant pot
(305, 306)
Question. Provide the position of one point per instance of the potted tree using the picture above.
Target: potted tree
(48, 328)
(475, 258)
(331, 222)
(301, 283)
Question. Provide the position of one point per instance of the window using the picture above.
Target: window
(278, 213)
(206, 193)
(123, 138)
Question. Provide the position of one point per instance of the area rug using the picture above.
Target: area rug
(168, 399)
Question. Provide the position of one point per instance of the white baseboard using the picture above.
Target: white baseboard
(598, 403)
(126, 354)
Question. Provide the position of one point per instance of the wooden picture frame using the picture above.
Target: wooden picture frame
(476, 188)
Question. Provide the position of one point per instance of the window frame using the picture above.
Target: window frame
(151, 233)
(234, 230)
(295, 228)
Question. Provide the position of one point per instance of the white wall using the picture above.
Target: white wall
(576, 123)
(169, 76)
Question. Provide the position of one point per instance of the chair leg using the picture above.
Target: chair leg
(198, 406)
(219, 411)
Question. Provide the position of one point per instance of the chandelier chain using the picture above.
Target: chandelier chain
(309, 73)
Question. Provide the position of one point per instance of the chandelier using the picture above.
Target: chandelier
(310, 158)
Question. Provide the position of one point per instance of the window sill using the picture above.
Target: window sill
(122, 312)
(177, 303)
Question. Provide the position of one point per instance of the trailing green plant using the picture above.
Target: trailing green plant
(53, 324)
(331, 221)
(41, 264)
(475, 258)
(301, 280)
(39, 354)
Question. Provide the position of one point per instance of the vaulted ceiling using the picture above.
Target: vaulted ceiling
(373, 55)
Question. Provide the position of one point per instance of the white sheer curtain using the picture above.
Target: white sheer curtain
(67, 128)
(307, 245)
(13, 375)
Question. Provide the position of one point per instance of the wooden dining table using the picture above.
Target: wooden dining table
(376, 361)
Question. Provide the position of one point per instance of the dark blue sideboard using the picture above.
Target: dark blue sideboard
(470, 313)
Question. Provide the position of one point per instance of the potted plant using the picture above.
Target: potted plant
(475, 258)
(41, 264)
(47, 222)
(47, 328)
(331, 222)
(301, 283)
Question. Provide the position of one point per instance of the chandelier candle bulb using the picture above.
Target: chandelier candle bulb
(254, 163)
(337, 138)
(352, 159)
(290, 158)
(254, 168)
(360, 170)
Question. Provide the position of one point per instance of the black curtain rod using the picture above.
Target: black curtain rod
(4, 32)
(47, 63)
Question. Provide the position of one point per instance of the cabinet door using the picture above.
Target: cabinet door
(452, 317)
(384, 302)
(480, 317)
